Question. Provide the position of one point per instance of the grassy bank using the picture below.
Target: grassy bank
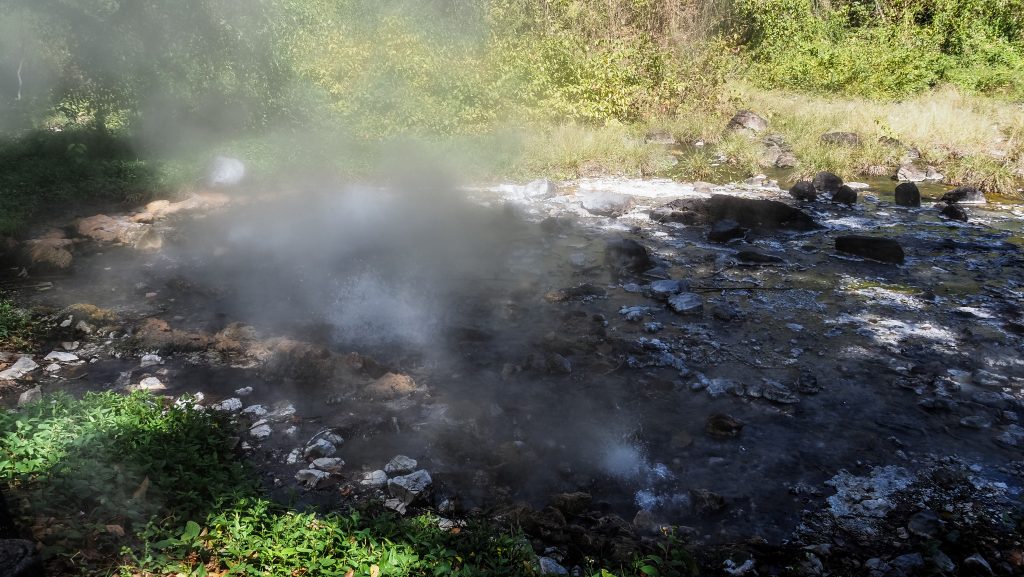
(133, 485)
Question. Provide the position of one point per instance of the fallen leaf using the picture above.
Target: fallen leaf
(350, 573)
(115, 530)
(374, 571)
(140, 493)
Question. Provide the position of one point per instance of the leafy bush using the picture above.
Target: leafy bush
(14, 322)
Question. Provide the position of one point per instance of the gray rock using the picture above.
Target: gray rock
(785, 159)
(328, 463)
(255, 411)
(686, 303)
(400, 465)
(1012, 437)
(666, 288)
(18, 558)
(910, 173)
(19, 369)
(225, 171)
(845, 195)
(841, 138)
(978, 565)
(725, 230)
(61, 357)
(605, 203)
(408, 488)
(311, 477)
(33, 395)
(376, 478)
(954, 212)
(626, 256)
(925, 524)
(549, 566)
(943, 562)
(261, 431)
(749, 121)
(908, 562)
(319, 448)
(776, 392)
(154, 384)
(976, 422)
(150, 360)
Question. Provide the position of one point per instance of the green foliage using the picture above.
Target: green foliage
(14, 322)
(884, 49)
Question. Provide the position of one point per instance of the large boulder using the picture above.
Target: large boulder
(845, 195)
(826, 182)
(964, 195)
(907, 194)
(408, 488)
(52, 249)
(954, 212)
(757, 213)
(911, 173)
(875, 248)
(748, 121)
(803, 190)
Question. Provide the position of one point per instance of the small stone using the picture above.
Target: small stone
(255, 411)
(376, 478)
(150, 360)
(244, 391)
(549, 566)
(665, 288)
(1012, 437)
(228, 405)
(332, 464)
(748, 121)
(907, 563)
(976, 422)
(400, 465)
(826, 182)
(311, 477)
(61, 357)
(943, 562)
(52, 368)
(686, 303)
(721, 426)
(293, 457)
(69, 346)
(954, 212)
(319, 448)
(841, 138)
(845, 195)
(725, 230)
(964, 195)
(977, 565)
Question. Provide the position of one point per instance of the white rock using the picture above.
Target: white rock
(150, 360)
(376, 478)
(33, 395)
(61, 357)
(293, 457)
(395, 505)
(228, 405)
(70, 346)
(686, 303)
(84, 327)
(328, 463)
(244, 391)
(260, 432)
(52, 368)
(255, 411)
(400, 465)
(310, 477)
(319, 448)
(225, 171)
(151, 384)
(19, 369)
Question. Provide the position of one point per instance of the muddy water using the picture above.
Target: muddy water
(525, 397)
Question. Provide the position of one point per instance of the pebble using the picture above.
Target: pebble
(228, 405)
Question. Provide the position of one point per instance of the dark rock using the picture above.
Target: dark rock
(803, 190)
(825, 182)
(924, 524)
(18, 559)
(965, 195)
(626, 256)
(408, 488)
(722, 426)
(754, 257)
(880, 249)
(845, 195)
(807, 383)
(667, 288)
(976, 565)
(841, 138)
(686, 303)
(907, 194)
(663, 214)
(585, 291)
(757, 213)
(908, 563)
(749, 121)
(954, 212)
(571, 504)
(725, 230)
(556, 364)
(706, 502)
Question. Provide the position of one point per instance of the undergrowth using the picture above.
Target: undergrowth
(137, 485)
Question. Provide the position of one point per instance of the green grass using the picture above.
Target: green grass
(15, 323)
(135, 485)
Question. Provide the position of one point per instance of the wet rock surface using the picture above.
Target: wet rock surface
(803, 407)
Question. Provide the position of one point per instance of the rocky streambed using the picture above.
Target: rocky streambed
(802, 385)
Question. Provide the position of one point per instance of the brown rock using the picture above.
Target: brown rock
(105, 228)
(52, 249)
(392, 386)
(156, 333)
(721, 426)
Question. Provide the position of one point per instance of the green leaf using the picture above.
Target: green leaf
(192, 530)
